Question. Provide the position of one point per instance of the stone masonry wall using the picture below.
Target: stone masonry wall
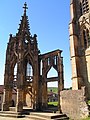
(73, 104)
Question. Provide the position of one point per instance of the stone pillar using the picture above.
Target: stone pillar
(20, 88)
(44, 95)
(6, 100)
(75, 60)
(24, 97)
(44, 85)
(35, 88)
(19, 104)
(8, 84)
(60, 78)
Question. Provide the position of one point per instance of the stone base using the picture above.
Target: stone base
(5, 107)
(19, 107)
(11, 114)
(74, 103)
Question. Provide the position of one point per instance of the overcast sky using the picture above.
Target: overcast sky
(49, 19)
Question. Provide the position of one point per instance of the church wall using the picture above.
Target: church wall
(88, 63)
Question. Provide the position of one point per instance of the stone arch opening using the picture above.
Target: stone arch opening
(29, 77)
(29, 72)
(52, 86)
(52, 72)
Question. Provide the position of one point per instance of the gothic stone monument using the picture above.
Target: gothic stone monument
(26, 69)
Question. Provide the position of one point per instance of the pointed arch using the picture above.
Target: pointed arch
(86, 38)
(29, 57)
(29, 72)
(52, 72)
(15, 76)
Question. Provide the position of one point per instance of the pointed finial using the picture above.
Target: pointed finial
(25, 7)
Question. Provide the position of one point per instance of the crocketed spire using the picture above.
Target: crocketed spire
(24, 25)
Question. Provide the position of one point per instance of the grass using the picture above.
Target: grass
(53, 103)
(86, 118)
(54, 89)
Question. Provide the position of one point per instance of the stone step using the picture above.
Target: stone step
(12, 108)
(47, 116)
(33, 117)
(62, 118)
(11, 114)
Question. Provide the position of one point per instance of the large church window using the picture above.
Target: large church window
(29, 72)
(86, 38)
(85, 6)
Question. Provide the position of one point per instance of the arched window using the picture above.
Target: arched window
(80, 8)
(86, 38)
(48, 61)
(55, 60)
(85, 6)
(15, 75)
(29, 72)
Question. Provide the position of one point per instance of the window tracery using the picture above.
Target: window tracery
(29, 72)
(86, 38)
(84, 7)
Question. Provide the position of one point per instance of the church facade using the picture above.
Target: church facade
(79, 29)
(26, 70)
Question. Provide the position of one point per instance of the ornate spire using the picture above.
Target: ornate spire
(24, 25)
(25, 7)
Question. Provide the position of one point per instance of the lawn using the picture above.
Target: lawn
(86, 118)
(53, 103)
(54, 89)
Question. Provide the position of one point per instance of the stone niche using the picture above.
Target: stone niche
(74, 103)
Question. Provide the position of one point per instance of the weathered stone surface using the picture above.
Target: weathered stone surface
(74, 104)
(79, 29)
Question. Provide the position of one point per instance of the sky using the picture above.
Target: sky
(49, 19)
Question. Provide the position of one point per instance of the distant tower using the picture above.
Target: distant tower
(79, 28)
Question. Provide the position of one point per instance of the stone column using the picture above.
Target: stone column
(36, 84)
(19, 104)
(44, 95)
(44, 86)
(24, 97)
(8, 84)
(60, 78)
(75, 60)
(6, 99)
(20, 88)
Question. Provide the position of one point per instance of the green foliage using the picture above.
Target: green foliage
(86, 118)
(54, 89)
(88, 102)
(53, 103)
